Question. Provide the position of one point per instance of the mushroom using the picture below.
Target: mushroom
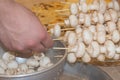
(74, 9)
(71, 58)
(87, 36)
(73, 20)
(57, 30)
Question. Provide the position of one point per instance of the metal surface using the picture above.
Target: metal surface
(81, 71)
(51, 73)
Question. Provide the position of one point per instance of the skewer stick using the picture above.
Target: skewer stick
(60, 48)
(63, 2)
(55, 24)
(60, 38)
(58, 56)
(62, 10)
(66, 29)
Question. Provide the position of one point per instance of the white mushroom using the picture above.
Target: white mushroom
(101, 37)
(74, 9)
(7, 56)
(45, 61)
(118, 25)
(78, 30)
(95, 36)
(113, 14)
(101, 57)
(32, 63)
(100, 28)
(73, 48)
(81, 18)
(11, 71)
(111, 26)
(103, 49)
(3, 64)
(92, 28)
(73, 20)
(90, 49)
(81, 50)
(84, 7)
(12, 65)
(118, 50)
(96, 5)
(37, 56)
(87, 36)
(116, 56)
(23, 67)
(116, 5)
(94, 17)
(87, 20)
(103, 6)
(71, 58)
(86, 58)
(57, 30)
(96, 49)
(52, 31)
(100, 18)
(110, 4)
(65, 38)
(30, 71)
(115, 36)
(107, 16)
(72, 38)
(2, 71)
(110, 49)
(67, 22)
(40, 68)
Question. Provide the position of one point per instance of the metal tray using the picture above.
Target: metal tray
(82, 71)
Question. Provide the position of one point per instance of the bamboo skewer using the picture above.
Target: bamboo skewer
(61, 38)
(62, 10)
(60, 48)
(66, 29)
(60, 23)
(58, 56)
(63, 2)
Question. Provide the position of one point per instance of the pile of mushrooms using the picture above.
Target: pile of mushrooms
(96, 33)
(10, 66)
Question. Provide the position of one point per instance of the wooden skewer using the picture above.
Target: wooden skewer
(56, 23)
(66, 29)
(60, 48)
(60, 38)
(62, 10)
(63, 2)
(58, 56)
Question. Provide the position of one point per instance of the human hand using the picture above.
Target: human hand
(20, 29)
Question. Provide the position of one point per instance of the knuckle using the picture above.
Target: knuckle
(43, 37)
(19, 48)
(31, 43)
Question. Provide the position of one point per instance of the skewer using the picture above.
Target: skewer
(57, 39)
(60, 48)
(62, 10)
(55, 24)
(61, 38)
(66, 29)
(63, 2)
(58, 56)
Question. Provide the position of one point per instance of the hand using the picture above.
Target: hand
(20, 29)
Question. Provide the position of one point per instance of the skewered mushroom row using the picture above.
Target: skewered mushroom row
(96, 33)
(10, 66)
